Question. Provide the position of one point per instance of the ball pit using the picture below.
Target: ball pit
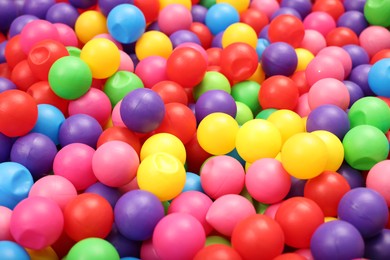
(138, 122)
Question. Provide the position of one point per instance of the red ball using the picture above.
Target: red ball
(217, 251)
(299, 217)
(326, 190)
(203, 32)
(299, 77)
(186, 66)
(214, 56)
(333, 7)
(380, 55)
(171, 92)
(22, 76)
(5, 71)
(239, 61)
(63, 244)
(290, 256)
(286, 28)
(278, 92)
(88, 215)
(18, 113)
(258, 237)
(118, 133)
(341, 36)
(150, 9)
(196, 155)
(254, 18)
(13, 51)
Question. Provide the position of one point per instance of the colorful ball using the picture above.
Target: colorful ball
(239, 32)
(313, 41)
(220, 16)
(286, 28)
(376, 179)
(146, 45)
(279, 58)
(93, 247)
(382, 36)
(278, 92)
(163, 142)
(377, 13)
(217, 251)
(288, 122)
(11, 250)
(328, 91)
(378, 79)
(378, 246)
(49, 122)
(354, 177)
(335, 149)
(171, 92)
(89, 24)
(6, 214)
(212, 80)
(247, 92)
(110, 194)
(320, 21)
(36, 31)
(63, 13)
(357, 54)
(151, 70)
(174, 17)
(322, 67)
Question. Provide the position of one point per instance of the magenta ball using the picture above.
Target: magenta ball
(267, 181)
(36, 31)
(322, 22)
(67, 35)
(328, 91)
(378, 180)
(36, 223)
(381, 36)
(126, 63)
(213, 101)
(5, 214)
(152, 70)
(174, 17)
(303, 108)
(322, 67)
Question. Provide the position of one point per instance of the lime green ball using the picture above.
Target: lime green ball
(247, 92)
(166, 205)
(244, 113)
(212, 80)
(73, 51)
(70, 77)
(216, 240)
(377, 12)
(120, 84)
(370, 111)
(365, 146)
(264, 114)
(208, 3)
(93, 248)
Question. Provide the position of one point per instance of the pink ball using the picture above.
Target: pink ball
(221, 175)
(126, 63)
(194, 203)
(148, 251)
(109, 37)
(178, 236)
(313, 41)
(115, 163)
(306, 253)
(116, 116)
(322, 67)
(36, 31)
(322, 22)
(339, 54)
(329, 91)
(36, 222)
(174, 17)
(227, 211)
(133, 185)
(271, 210)
(378, 179)
(196, 47)
(54, 187)
(374, 39)
(269, 7)
(94, 103)
(152, 70)
(5, 216)
(267, 181)
(303, 108)
(74, 162)
(67, 35)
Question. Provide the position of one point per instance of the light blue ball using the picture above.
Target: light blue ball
(49, 122)
(11, 251)
(260, 47)
(220, 16)
(192, 182)
(379, 78)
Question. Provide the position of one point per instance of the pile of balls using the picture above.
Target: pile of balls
(194, 129)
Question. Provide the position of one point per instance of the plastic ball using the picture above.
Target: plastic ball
(5, 150)
(120, 134)
(286, 11)
(146, 45)
(278, 92)
(328, 91)
(378, 79)
(255, 18)
(67, 35)
(334, 147)
(355, 92)
(11, 250)
(268, 6)
(18, 112)
(276, 54)
(313, 41)
(217, 251)
(244, 113)
(382, 36)
(353, 176)
(110, 194)
(6, 84)
(288, 122)
(192, 182)
(359, 76)
(377, 13)
(62, 13)
(332, 7)
(286, 28)
(304, 57)
(126, 63)
(357, 54)
(323, 67)
(304, 155)
(303, 7)
(339, 54)
(170, 92)
(220, 16)
(319, 21)
(151, 70)
(369, 213)
(247, 92)
(46, 253)
(23, 76)
(9, 13)
(353, 20)
(378, 246)
(174, 17)
(323, 244)
(341, 36)
(178, 226)
(89, 24)
(239, 32)
(212, 80)
(213, 101)
(18, 24)
(93, 247)
(6, 214)
(163, 142)
(36, 31)
(74, 162)
(183, 36)
(376, 179)
(203, 34)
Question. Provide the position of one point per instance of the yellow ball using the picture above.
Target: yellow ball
(89, 24)
(304, 58)
(328, 219)
(161, 174)
(335, 149)
(153, 43)
(186, 3)
(239, 32)
(279, 157)
(258, 139)
(47, 253)
(304, 155)
(288, 122)
(102, 57)
(239, 5)
(304, 120)
(217, 133)
(164, 142)
(259, 75)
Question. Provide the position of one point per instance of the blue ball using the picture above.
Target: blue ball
(49, 122)
(379, 77)
(192, 182)
(15, 184)
(10, 251)
(126, 23)
(220, 16)
(260, 47)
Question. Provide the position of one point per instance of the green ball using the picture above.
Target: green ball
(244, 113)
(370, 111)
(377, 12)
(207, 3)
(73, 51)
(216, 240)
(70, 77)
(212, 80)
(247, 92)
(93, 248)
(120, 84)
(264, 114)
(365, 146)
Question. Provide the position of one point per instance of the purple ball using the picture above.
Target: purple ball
(366, 209)
(83, 4)
(378, 247)
(199, 13)
(124, 246)
(217, 41)
(355, 92)
(264, 33)
(142, 110)
(5, 147)
(110, 194)
(18, 24)
(106, 6)
(358, 55)
(2, 51)
(279, 58)
(286, 10)
(359, 75)
(153, 27)
(182, 36)
(215, 101)
(8, 12)
(353, 20)
(356, 5)
(62, 13)
(80, 128)
(37, 7)
(336, 240)
(302, 6)
(297, 188)
(36, 152)
(354, 177)
(330, 118)
(136, 213)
